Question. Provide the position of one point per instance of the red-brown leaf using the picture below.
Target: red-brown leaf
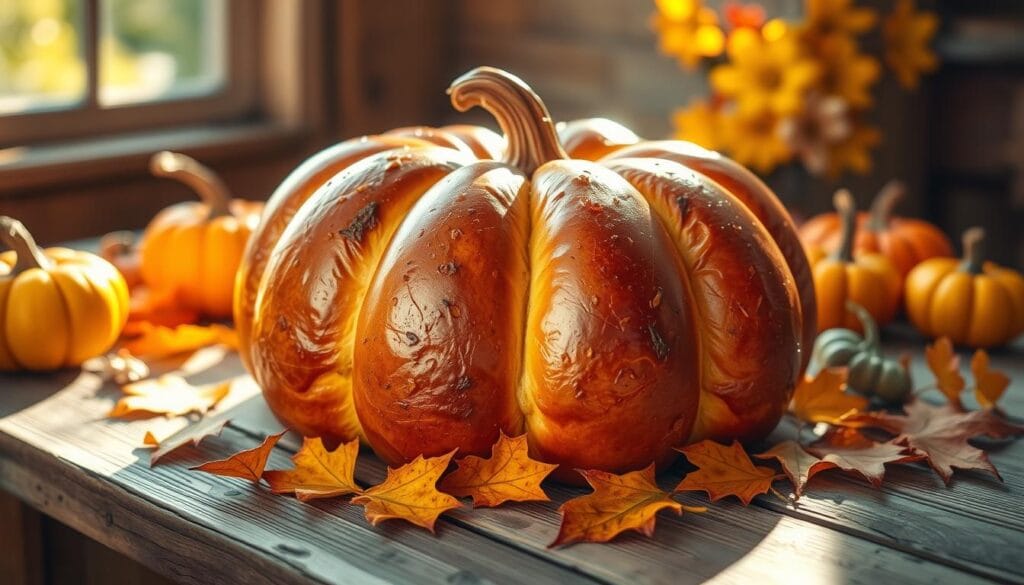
(852, 452)
(248, 464)
(724, 471)
(798, 465)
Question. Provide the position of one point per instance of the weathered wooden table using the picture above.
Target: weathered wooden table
(60, 455)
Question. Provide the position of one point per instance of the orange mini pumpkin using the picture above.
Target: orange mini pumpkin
(973, 302)
(426, 300)
(868, 280)
(190, 252)
(906, 242)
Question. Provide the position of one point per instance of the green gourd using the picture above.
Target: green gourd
(870, 372)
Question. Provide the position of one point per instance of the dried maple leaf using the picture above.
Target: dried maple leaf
(822, 399)
(798, 465)
(509, 475)
(618, 503)
(724, 471)
(158, 342)
(989, 385)
(246, 464)
(410, 493)
(941, 433)
(318, 473)
(190, 435)
(169, 395)
(946, 366)
(851, 451)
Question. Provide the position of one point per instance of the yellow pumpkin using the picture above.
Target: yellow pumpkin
(58, 307)
(191, 251)
(971, 301)
(869, 280)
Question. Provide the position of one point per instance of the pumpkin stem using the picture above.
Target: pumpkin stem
(529, 132)
(882, 207)
(844, 204)
(17, 238)
(870, 327)
(200, 178)
(974, 250)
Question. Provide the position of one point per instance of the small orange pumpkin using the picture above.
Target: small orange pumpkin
(191, 251)
(971, 301)
(868, 280)
(906, 242)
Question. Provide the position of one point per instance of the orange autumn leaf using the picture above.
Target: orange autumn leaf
(246, 464)
(147, 309)
(852, 452)
(159, 342)
(989, 385)
(618, 503)
(168, 395)
(509, 475)
(946, 366)
(724, 471)
(318, 473)
(410, 493)
(193, 434)
(798, 465)
(822, 399)
(941, 433)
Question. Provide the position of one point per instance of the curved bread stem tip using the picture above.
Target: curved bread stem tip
(885, 202)
(867, 321)
(210, 188)
(530, 134)
(14, 234)
(974, 250)
(845, 206)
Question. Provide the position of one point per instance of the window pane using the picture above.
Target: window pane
(41, 62)
(160, 49)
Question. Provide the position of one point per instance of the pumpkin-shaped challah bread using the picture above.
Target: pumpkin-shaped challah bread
(425, 299)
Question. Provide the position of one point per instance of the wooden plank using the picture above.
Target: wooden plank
(729, 543)
(21, 551)
(59, 453)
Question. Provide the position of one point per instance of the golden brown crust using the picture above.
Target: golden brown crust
(594, 138)
(610, 370)
(439, 339)
(485, 143)
(281, 208)
(742, 295)
(760, 200)
(316, 279)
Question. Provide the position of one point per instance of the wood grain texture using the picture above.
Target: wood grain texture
(21, 550)
(59, 453)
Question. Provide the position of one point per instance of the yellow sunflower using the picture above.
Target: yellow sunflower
(907, 35)
(826, 18)
(854, 153)
(765, 73)
(847, 73)
(687, 30)
(699, 123)
(755, 140)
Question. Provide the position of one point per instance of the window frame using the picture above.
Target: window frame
(235, 100)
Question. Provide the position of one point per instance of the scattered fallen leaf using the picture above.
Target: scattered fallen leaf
(855, 453)
(989, 385)
(822, 399)
(246, 464)
(941, 433)
(157, 341)
(946, 366)
(410, 493)
(147, 309)
(168, 395)
(798, 465)
(193, 434)
(509, 475)
(724, 471)
(318, 473)
(618, 503)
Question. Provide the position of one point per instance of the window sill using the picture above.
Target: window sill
(27, 168)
